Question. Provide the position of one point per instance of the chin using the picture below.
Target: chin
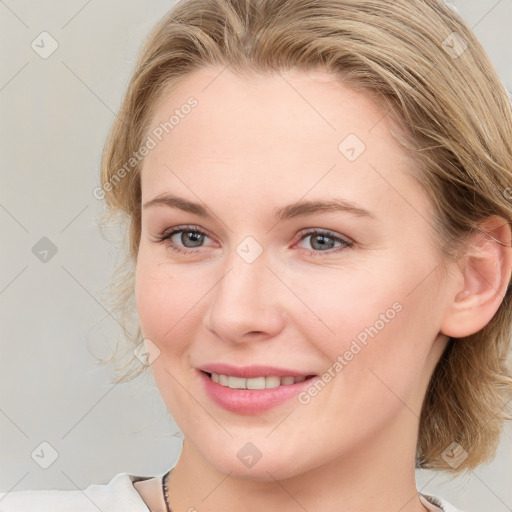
(239, 465)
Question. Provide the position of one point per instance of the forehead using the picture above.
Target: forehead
(246, 115)
(299, 129)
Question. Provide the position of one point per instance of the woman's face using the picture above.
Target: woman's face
(305, 249)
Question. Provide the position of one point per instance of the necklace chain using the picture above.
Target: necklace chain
(165, 489)
(165, 480)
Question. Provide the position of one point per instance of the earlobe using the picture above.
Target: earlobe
(486, 270)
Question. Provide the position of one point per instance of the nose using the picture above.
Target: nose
(246, 303)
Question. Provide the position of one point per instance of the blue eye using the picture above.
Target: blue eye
(190, 238)
(323, 241)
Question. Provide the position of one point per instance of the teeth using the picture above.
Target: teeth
(272, 382)
(254, 383)
(237, 383)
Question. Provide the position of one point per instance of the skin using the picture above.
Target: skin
(249, 147)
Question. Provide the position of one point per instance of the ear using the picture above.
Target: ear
(486, 273)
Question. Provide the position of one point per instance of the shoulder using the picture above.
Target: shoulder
(119, 495)
(438, 502)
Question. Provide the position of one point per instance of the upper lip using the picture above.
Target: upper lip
(252, 371)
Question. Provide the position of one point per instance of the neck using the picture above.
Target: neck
(376, 476)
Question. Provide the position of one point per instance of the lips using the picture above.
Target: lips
(240, 389)
(252, 371)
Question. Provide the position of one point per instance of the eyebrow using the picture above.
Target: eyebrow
(298, 209)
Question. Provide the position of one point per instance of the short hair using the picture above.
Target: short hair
(421, 63)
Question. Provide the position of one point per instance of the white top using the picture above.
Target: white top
(119, 495)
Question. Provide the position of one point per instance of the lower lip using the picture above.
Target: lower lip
(251, 401)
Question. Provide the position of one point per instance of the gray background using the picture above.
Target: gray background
(55, 116)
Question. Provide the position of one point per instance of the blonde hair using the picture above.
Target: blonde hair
(421, 63)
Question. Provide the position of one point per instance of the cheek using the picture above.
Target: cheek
(162, 300)
(376, 324)
(353, 302)
(164, 304)
(151, 289)
(171, 302)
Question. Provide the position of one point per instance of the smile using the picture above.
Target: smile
(268, 382)
(256, 392)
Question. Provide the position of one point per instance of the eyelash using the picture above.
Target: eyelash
(167, 234)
